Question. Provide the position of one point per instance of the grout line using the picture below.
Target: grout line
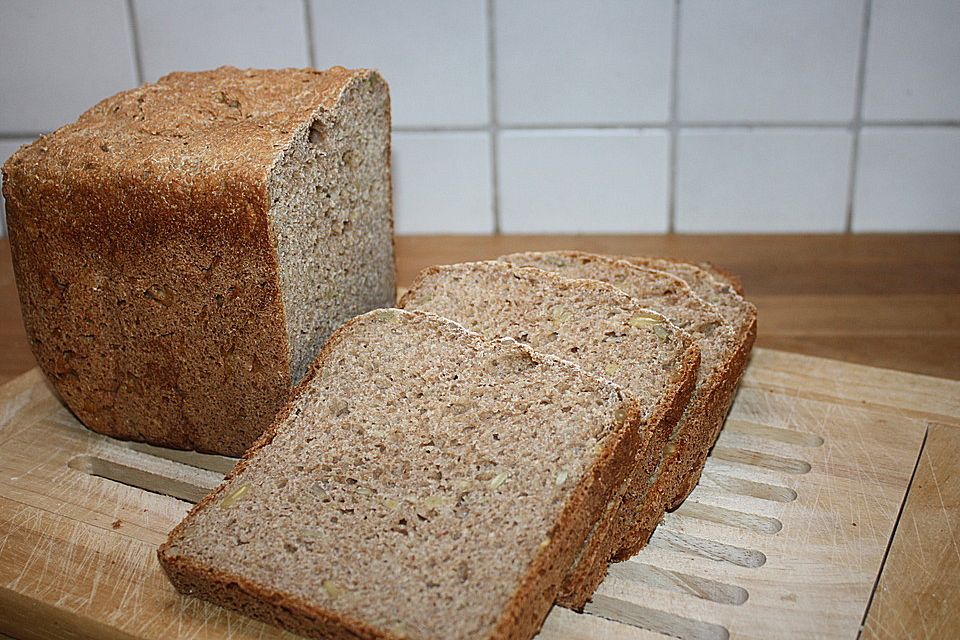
(21, 135)
(672, 126)
(15, 135)
(493, 128)
(857, 123)
(783, 124)
(135, 37)
(639, 126)
(308, 26)
(915, 123)
(441, 128)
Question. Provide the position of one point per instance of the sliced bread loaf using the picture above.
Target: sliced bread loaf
(601, 329)
(721, 290)
(424, 482)
(673, 298)
(184, 248)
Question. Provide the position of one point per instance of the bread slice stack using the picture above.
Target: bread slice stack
(452, 468)
(724, 340)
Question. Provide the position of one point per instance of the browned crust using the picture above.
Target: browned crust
(720, 403)
(522, 616)
(636, 509)
(132, 197)
(684, 458)
(695, 429)
(628, 513)
(714, 406)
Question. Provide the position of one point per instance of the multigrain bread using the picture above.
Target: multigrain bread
(184, 248)
(673, 298)
(424, 482)
(720, 289)
(605, 331)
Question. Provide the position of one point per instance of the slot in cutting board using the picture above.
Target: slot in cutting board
(784, 536)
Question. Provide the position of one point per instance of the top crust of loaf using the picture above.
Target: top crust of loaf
(228, 121)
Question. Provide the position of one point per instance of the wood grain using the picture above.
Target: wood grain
(918, 595)
(787, 530)
(882, 300)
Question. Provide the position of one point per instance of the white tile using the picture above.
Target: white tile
(7, 147)
(583, 181)
(575, 63)
(757, 60)
(433, 54)
(191, 35)
(762, 180)
(57, 59)
(913, 61)
(441, 183)
(908, 180)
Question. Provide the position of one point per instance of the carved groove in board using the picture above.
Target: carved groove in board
(678, 582)
(787, 436)
(743, 487)
(135, 477)
(664, 538)
(762, 460)
(667, 623)
(219, 464)
(729, 517)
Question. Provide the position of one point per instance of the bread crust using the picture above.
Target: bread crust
(717, 407)
(635, 510)
(683, 455)
(713, 408)
(144, 258)
(521, 617)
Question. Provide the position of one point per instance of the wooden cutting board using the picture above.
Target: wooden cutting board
(785, 536)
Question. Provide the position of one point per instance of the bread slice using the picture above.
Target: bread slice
(184, 248)
(721, 290)
(673, 298)
(601, 329)
(424, 482)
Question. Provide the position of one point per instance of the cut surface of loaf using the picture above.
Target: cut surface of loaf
(599, 328)
(721, 290)
(674, 299)
(424, 482)
(184, 248)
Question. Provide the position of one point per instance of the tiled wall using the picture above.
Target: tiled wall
(524, 116)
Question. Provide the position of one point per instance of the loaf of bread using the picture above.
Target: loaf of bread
(424, 482)
(674, 299)
(184, 249)
(600, 328)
